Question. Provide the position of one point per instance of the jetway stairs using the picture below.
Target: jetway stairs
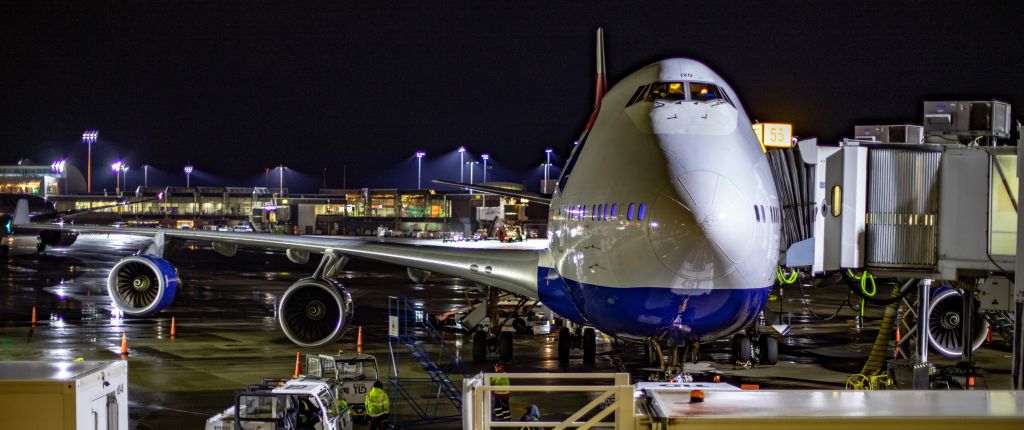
(1001, 323)
(411, 332)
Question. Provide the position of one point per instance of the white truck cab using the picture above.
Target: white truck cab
(284, 405)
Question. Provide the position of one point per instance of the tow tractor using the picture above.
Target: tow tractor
(284, 404)
(351, 376)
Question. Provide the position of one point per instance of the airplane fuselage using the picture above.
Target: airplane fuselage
(664, 223)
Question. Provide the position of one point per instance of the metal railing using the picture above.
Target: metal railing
(616, 398)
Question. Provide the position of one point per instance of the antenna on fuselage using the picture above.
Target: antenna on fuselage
(600, 84)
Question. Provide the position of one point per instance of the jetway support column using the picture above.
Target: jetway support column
(923, 298)
(1018, 288)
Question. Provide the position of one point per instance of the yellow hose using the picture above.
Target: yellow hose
(876, 360)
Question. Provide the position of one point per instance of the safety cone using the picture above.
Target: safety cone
(173, 331)
(124, 344)
(359, 341)
(33, 316)
(296, 374)
(897, 352)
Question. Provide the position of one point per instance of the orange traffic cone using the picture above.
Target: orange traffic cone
(296, 375)
(173, 331)
(359, 341)
(897, 353)
(33, 316)
(124, 344)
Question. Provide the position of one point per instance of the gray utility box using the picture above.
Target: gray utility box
(947, 119)
(64, 395)
(900, 133)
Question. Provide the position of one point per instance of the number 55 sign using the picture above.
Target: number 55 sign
(774, 135)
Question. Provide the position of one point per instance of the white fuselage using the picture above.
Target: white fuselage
(664, 222)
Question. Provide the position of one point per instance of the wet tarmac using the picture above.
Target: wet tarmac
(227, 335)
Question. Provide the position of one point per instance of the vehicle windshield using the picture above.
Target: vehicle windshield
(353, 369)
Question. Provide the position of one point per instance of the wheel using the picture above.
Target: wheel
(564, 345)
(520, 325)
(589, 345)
(741, 348)
(40, 246)
(505, 346)
(769, 347)
(479, 346)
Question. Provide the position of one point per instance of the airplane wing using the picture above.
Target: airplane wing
(512, 270)
(539, 198)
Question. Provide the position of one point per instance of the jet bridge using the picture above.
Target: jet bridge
(938, 205)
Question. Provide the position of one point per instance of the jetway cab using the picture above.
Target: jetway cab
(929, 208)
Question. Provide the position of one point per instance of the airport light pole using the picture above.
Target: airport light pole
(470, 165)
(58, 167)
(116, 167)
(280, 180)
(188, 175)
(462, 163)
(145, 175)
(419, 168)
(485, 157)
(124, 176)
(89, 137)
(547, 166)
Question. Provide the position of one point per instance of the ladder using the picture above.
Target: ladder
(1001, 323)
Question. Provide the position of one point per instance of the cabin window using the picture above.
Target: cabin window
(757, 214)
(641, 212)
(629, 212)
(614, 210)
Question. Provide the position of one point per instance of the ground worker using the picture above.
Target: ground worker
(378, 406)
(501, 397)
(532, 415)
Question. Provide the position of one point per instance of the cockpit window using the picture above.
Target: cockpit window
(705, 92)
(667, 91)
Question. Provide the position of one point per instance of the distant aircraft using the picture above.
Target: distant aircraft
(662, 227)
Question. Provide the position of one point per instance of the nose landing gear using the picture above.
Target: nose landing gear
(580, 337)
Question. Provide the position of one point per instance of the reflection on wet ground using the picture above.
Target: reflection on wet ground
(227, 335)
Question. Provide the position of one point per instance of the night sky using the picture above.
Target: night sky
(234, 87)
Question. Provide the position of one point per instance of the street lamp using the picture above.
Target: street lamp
(124, 176)
(188, 175)
(462, 162)
(116, 167)
(419, 167)
(145, 175)
(547, 166)
(470, 164)
(485, 157)
(281, 180)
(89, 137)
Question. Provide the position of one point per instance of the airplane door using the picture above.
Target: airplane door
(844, 208)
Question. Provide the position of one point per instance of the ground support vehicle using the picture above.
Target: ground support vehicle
(64, 395)
(284, 404)
(351, 377)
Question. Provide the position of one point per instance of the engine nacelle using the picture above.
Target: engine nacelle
(58, 238)
(315, 312)
(142, 285)
(946, 324)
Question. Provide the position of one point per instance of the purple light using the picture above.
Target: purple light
(116, 167)
(548, 150)
(462, 149)
(420, 154)
(188, 169)
(58, 166)
(485, 156)
(90, 136)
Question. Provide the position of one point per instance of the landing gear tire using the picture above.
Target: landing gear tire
(564, 345)
(40, 246)
(741, 348)
(589, 345)
(520, 325)
(769, 347)
(479, 347)
(505, 346)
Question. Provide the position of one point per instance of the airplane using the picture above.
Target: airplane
(660, 229)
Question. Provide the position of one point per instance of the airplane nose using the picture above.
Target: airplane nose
(699, 225)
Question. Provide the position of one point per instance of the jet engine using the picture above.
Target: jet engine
(946, 324)
(142, 285)
(315, 312)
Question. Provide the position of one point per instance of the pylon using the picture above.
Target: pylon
(296, 375)
(33, 316)
(359, 341)
(173, 331)
(897, 353)
(124, 343)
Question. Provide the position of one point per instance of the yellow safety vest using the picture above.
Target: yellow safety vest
(500, 380)
(377, 402)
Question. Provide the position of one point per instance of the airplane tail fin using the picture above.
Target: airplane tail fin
(21, 214)
(600, 84)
